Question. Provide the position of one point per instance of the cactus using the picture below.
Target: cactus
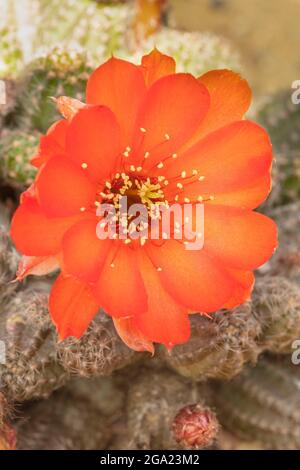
(262, 404)
(99, 352)
(286, 260)
(63, 422)
(16, 150)
(156, 414)
(276, 305)
(36, 363)
(83, 25)
(281, 117)
(219, 347)
(9, 260)
(31, 368)
(37, 26)
(58, 73)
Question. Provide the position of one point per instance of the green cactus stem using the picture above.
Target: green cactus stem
(99, 351)
(167, 414)
(219, 347)
(263, 404)
(63, 422)
(276, 305)
(31, 369)
(16, 149)
(60, 72)
(281, 117)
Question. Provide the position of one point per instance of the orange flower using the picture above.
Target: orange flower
(187, 138)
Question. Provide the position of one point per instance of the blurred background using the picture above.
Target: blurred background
(102, 398)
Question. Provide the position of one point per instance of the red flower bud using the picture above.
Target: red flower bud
(195, 427)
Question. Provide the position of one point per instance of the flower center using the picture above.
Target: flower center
(137, 189)
(144, 193)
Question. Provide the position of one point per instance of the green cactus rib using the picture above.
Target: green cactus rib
(63, 422)
(16, 149)
(219, 347)
(263, 403)
(281, 118)
(58, 73)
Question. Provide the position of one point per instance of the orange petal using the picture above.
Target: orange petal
(93, 140)
(72, 306)
(132, 336)
(34, 234)
(51, 144)
(228, 159)
(170, 114)
(63, 189)
(156, 65)
(83, 253)
(165, 321)
(248, 197)
(120, 290)
(192, 277)
(120, 86)
(230, 97)
(243, 288)
(240, 238)
(36, 265)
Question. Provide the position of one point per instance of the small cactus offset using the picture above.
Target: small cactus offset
(219, 346)
(99, 352)
(60, 72)
(36, 363)
(262, 404)
(31, 369)
(16, 149)
(286, 260)
(281, 117)
(276, 305)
